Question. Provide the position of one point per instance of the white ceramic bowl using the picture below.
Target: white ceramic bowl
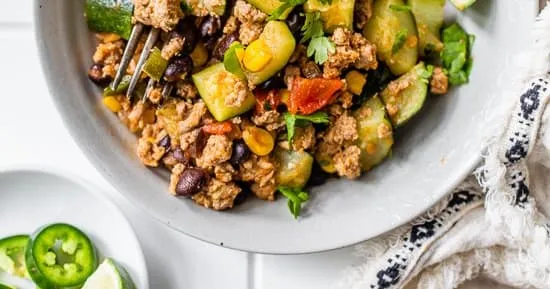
(432, 154)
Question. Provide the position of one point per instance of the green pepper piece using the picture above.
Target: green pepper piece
(155, 65)
(121, 88)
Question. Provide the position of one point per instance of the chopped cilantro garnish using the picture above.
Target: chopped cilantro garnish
(231, 61)
(319, 45)
(313, 27)
(455, 55)
(399, 41)
(287, 4)
(296, 120)
(296, 197)
(400, 8)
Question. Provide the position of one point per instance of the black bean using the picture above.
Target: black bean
(179, 68)
(210, 26)
(275, 82)
(318, 176)
(224, 44)
(95, 73)
(240, 153)
(191, 181)
(180, 156)
(295, 21)
(188, 31)
(311, 70)
(243, 195)
(165, 142)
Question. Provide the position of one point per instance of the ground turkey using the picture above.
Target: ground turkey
(217, 195)
(251, 21)
(352, 49)
(260, 171)
(216, 151)
(163, 14)
(440, 82)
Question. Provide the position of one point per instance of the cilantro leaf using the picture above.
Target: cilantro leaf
(231, 61)
(320, 47)
(287, 4)
(313, 27)
(400, 8)
(296, 197)
(294, 120)
(399, 41)
(455, 55)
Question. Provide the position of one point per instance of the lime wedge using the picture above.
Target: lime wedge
(109, 275)
(5, 286)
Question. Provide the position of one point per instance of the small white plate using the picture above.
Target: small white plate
(32, 198)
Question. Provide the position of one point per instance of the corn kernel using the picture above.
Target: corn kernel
(355, 81)
(240, 53)
(112, 104)
(258, 140)
(199, 55)
(371, 148)
(257, 55)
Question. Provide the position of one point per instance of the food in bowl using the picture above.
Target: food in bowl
(260, 97)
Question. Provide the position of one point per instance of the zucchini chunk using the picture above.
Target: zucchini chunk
(339, 13)
(405, 96)
(268, 6)
(213, 89)
(429, 16)
(394, 33)
(375, 133)
(110, 16)
(280, 43)
(294, 168)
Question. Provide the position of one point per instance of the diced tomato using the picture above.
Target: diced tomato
(266, 100)
(309, 95)
(218, 127)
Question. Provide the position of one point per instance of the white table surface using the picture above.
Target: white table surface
(32, 134)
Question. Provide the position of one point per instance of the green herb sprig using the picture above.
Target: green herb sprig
(296, 197)
(319, 45)
(296, 120)
(231, 61)
(399, 41)
(456, 54)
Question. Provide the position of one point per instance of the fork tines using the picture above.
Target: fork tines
(129, 51)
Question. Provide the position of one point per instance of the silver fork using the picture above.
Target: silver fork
(127, 56)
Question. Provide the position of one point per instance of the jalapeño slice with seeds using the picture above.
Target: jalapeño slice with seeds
(12, 255)
(60, 255)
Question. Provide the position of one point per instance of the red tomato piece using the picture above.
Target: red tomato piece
(218, 128)
(266, 100)
(310, 95)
